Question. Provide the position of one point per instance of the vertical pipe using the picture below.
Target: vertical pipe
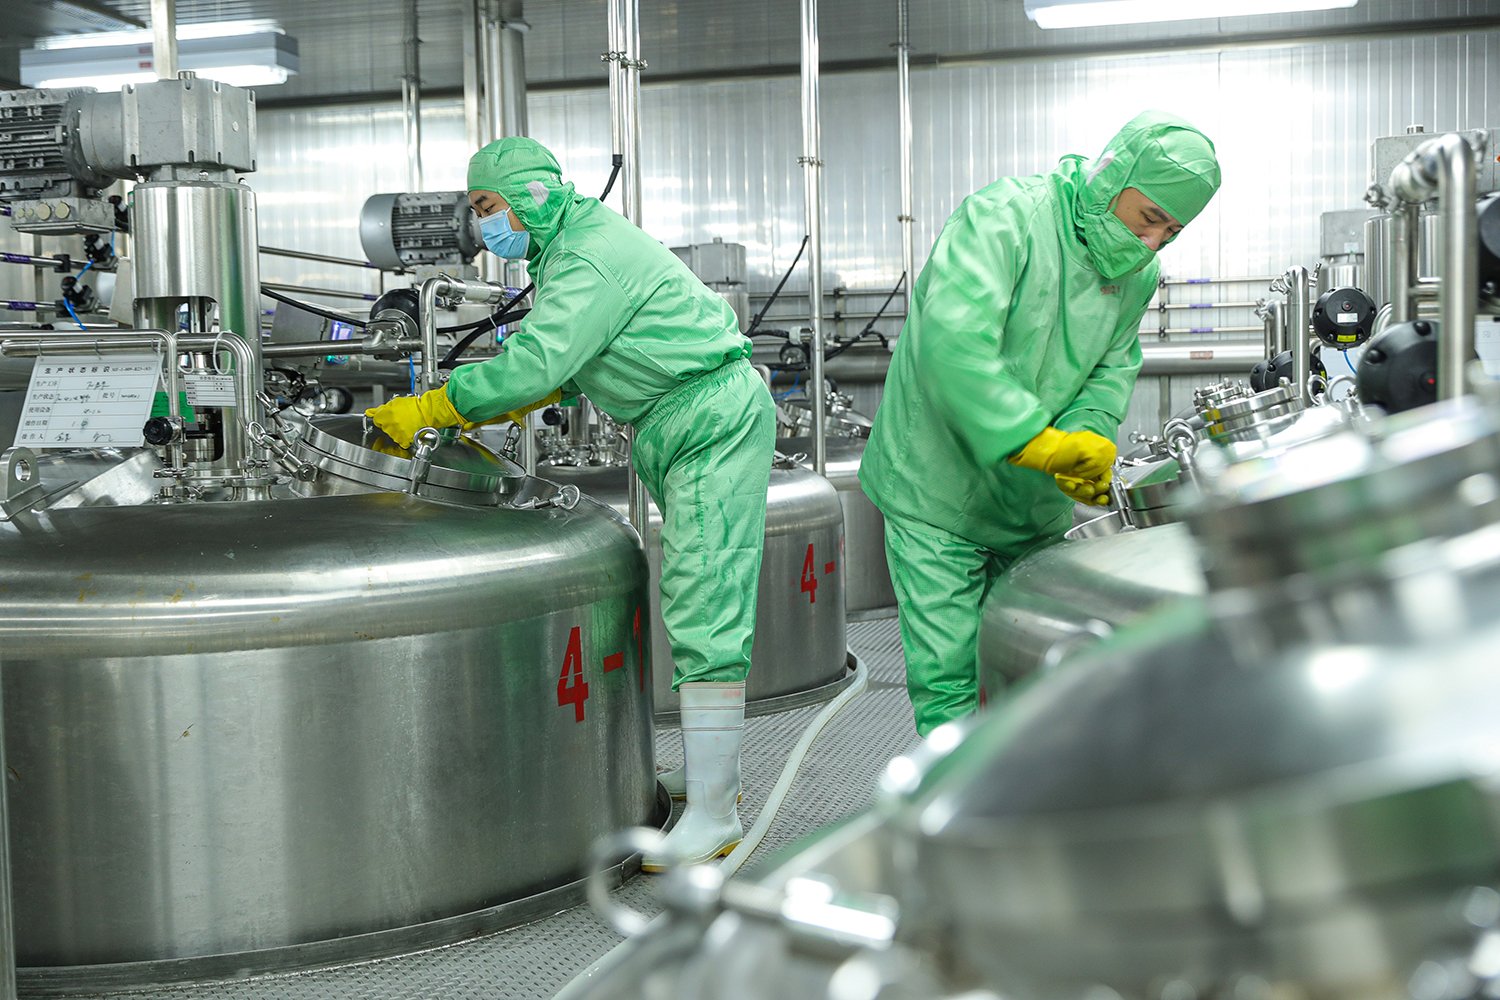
(1298, 321)
(7, 918)
(1457, 184)
(812, 181)
(1402, 266)
(513, 118)
(411, 98)
(903, 89)
(623, 58)
(164, 38)
(491, 268)
(473, 75)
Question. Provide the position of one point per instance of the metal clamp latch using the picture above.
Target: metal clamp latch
(566, 498)
(423, 445)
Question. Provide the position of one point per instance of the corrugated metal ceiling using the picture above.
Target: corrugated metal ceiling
(353, 47)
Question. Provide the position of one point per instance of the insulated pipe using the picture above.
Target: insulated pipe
(321, 258)
(411, 99)
(903, 91)
(1445, 167)
(7, 916)
(625, 65)
(812, 181)
(1224, 357)
(164, 38)
(1298, 321)
(1402, 267)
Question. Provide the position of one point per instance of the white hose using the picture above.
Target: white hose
(737, 857)
(783, 785)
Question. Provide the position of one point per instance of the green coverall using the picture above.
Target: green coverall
(618, 317)
(1025, 317)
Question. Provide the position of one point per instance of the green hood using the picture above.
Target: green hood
(1163, 157)
(526, 175)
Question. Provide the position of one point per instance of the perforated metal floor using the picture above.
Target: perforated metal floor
(536, 960)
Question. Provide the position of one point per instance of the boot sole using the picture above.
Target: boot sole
(725, 851)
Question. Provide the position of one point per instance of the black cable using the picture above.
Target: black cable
(315, 310)
(755, 323)
(499, 316)
(450, 360)
(617, 161)
(841, 346)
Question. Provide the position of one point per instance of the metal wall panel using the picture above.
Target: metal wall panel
(1293, 125)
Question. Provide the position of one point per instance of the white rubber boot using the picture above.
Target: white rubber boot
(713, 728)
(675, 782)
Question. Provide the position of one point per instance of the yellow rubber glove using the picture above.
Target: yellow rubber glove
(403, 416)
(1075, 454)
(1092, 492)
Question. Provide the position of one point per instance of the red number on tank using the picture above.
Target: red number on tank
(810, 577)
(571, 687)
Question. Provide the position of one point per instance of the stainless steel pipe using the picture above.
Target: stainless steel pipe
(7, 911)
(321, 258)
(411, 98)
(164, 38)
(1445, 167)
(625, 65)
(812, 184)
(1224, 357)
(903, 100)
(1298, 324)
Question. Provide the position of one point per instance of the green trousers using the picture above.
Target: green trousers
(941, 581)
(704, 452)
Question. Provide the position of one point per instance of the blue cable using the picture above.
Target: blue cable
(80, 278)
(1348, 362)
(411, 370)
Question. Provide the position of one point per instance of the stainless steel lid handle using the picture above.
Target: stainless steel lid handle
(423, 445)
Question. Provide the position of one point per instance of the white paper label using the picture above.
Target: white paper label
(1346, 317)
(94, 402)
(205, 389)
(1487, 344)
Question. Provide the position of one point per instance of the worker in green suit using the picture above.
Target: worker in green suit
(619, 318)
(1011, 377)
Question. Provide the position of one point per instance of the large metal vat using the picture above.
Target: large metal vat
(244, 736)
(800, 650)
(867, 583)
(1285, 790)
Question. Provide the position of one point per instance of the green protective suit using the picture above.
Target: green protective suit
(1025, 316)
(619, 318)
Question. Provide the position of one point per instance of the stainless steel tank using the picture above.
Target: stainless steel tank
(867, 584)
(800, 651)
(1057, 601)
(1288, 789)
(258, 735)
(1285, 791)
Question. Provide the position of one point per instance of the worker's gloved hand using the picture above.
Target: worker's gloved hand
(1075, 454)
(519, 413)
(1092, 492)
(403, 416)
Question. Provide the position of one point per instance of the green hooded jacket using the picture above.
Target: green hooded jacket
(617, 316)
(1013, 326)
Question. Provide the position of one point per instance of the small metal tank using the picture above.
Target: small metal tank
(800, 653)
(867, 586)
(244, 736)
(1107, 572)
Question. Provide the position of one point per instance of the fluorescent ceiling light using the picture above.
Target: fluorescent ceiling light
(1091, 13)
(241, 54)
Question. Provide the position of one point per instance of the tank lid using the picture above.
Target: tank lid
(463, 470)
(1341, 502)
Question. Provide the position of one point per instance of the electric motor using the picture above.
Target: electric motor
(399, 231)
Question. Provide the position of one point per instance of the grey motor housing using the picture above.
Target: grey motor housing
(402, 230)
